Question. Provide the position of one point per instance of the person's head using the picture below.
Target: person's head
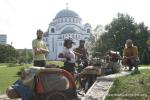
(82, 42)
(39, 34)
(129, 43)
(68, 43)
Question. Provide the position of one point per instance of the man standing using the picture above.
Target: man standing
(81, 53)
(68, 56)
(39, 50)
(130, 55)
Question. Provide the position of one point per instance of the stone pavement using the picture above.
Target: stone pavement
(99, 90)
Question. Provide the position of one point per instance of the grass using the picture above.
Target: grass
(8, 73)
(59, 63)
(145, 65)
(7, 77)
(132, 87)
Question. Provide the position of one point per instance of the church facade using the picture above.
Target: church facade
(66, 23)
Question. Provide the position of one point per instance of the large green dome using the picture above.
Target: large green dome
(66, 13)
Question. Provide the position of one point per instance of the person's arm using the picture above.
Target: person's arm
(124, 53)
(61, 56)
(39, 50)
(77, 54)
(35, 49)
(45, 49)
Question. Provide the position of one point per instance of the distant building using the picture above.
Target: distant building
(66, 23)
(3, 38)
(98, 31)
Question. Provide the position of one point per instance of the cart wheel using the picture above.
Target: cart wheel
(56, 96)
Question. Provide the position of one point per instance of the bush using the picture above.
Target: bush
(11, 65)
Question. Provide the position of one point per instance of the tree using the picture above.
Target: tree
(98, 31)
(119, 30)
(8, 54)
(25, 56)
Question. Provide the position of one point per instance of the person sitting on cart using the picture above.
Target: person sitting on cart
(130, 55)
(81, 53)
(68, 56)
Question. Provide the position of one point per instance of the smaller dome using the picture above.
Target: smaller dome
(69, 30)
(66, 13)
(87, 24)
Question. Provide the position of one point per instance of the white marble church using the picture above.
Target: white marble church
(66, 23)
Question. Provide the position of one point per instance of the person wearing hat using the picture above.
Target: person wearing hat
(130, 55)
(68, 56)
(39, 50)
(81, 53)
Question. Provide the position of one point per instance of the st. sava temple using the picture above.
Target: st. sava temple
(66, 23)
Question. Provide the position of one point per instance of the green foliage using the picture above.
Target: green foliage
(25, 57)
(90, 44)
(132, 87)
(145, 58)
(8, 54)
(119, 30)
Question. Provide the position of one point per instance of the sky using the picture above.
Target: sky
(20, 19)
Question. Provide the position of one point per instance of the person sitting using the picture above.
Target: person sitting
(130, 55)
(68, 56)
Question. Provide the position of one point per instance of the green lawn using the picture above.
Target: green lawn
(132, 87)
(144, 65)
(59, 63)
(7, 77)
(8, 73)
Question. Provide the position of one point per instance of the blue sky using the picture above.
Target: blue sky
(20, 19)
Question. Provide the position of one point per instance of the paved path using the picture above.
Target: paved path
(101, 87)
(99, 90)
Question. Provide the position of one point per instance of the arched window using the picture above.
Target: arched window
(65, 19)
(69, 19)
(52, 30)
(88, 30)
(61, 20)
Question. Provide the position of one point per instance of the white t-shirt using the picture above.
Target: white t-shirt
(68, 53)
